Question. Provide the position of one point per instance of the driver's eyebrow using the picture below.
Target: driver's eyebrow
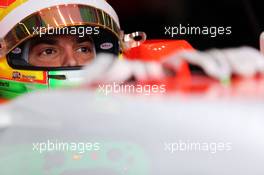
(49, 41)
(83, 39)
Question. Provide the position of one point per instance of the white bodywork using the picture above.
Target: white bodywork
(149, 123)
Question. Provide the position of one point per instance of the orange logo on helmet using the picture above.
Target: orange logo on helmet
(6, 3)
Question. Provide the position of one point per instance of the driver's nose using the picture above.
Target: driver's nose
(68, 59)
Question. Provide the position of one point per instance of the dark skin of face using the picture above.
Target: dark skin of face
(61, 51)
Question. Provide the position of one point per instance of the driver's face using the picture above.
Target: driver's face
(61, 51)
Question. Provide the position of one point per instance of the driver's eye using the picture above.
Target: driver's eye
(84, 49)
(48, 51)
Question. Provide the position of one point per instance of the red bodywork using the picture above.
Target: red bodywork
(188, 83)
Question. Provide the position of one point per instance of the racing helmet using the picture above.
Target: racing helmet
(26, 23)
